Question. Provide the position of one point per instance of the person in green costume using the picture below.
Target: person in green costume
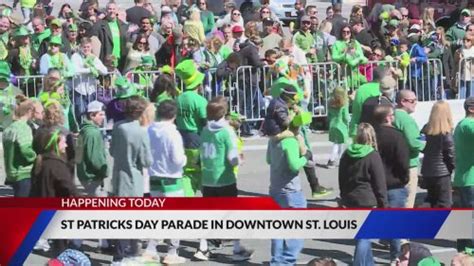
(338, 116)
(190, 120)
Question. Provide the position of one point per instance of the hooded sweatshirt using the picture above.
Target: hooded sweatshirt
(219, 154)
(91, 153)
(285, 162)
(167, 150)
(362, 177)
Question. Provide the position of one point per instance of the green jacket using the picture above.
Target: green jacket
(207, 19)
(455, 35)
(464, 146)
(407, 125)
(191, 111)
(219, 154)
(339, 124)
(305, 41)
(340, 54)
(90, 153)
(321, 46)
(365, 91)
(18, 151)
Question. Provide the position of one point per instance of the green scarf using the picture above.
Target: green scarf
(57, 61)
(25, 59)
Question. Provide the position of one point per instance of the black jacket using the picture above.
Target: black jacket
(52, 179)
(136, 13)
(367, 113)
(438, 157)
(337, 22)
(395, 155)
(367, 38)
(277, 118)
(249, 54)
(362, 181)
(102, 30)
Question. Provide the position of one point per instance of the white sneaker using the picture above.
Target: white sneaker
(174, 259)
(243, 255)
(42, 244)
(202, 255)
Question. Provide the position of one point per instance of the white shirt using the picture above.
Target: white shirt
(84, 82)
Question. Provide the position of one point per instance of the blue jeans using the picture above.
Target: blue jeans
(363, 253)
(286, 251)
(21, 189)
(467, 196)
(466, 89)
(80, 105)
(397, 198)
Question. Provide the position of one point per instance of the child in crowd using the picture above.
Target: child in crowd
(90, 152)
(404, 58)
(219, 155)
(166, 169)
(338, 117)
(56, 92)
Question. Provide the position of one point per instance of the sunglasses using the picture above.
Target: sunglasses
(265, 12)
(306, 22)
(379, 55)
(236, 14)
(202, 3)
(144, 43)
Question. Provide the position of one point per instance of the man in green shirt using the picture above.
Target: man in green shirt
(41, 32)
(406, 104)
(464, 146)
(112, 33)
(190, 120)
(304, 40)
(464, 172)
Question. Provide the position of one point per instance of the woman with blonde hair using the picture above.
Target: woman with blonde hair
(338, 116)
(438, 162)
(362, 183)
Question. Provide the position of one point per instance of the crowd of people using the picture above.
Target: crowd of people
(172, 141)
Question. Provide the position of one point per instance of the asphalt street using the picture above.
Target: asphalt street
(253, 180)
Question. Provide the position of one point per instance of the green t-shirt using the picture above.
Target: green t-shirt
(191, 111)
(219, 147)
(115, 30)
(464, 146)
(407, 125)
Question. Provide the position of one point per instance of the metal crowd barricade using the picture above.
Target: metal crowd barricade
(465, 78)
(250, 95)
(426, 80)
(30, 85)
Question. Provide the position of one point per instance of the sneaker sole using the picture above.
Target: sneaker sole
(319, 195)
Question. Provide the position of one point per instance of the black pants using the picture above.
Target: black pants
(439, 191)
(311, 172)
(191, 140)
(125, 248)
(226, 191)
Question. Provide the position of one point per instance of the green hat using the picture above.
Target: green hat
(394, 23)
(301, 119)
(429, 261)
(56, 40)
(125, 89)
(56, 22)
(166, 69)
(21, 32)
(147, 61)
(187, 72)
(4, 70)
(72, 27)
(466, 11)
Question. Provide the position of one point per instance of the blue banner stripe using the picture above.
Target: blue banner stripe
(412, 224)
(32, 237)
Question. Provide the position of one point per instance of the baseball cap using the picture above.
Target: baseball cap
(466, 12)
(267, 22)
(237, 29)
(415, 27)
(388, 83)
(469, 103)
(95, 106)
(305, 18)
(56, 22)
